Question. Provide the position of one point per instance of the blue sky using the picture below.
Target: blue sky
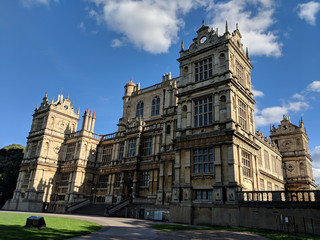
(90, 49)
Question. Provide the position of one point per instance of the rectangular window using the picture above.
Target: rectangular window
(266, 160)
(269, 186)
(246, 163)
(279, 163)
(203, 160)
(276, 187)
(117, 180)
(106, 153)
(26, 178)
(242, 113)
(121, 150)
(274, 164)
(39, 124)
(145, 178)
(103, 181)
(147, 146)
(132, 147)
(70, 151)
(203, 194)
(260, 158)
(240, 73)
(33, 150)
(155, 110)
(203, 112)
(64, 180)
(203, 69)
(261, 184)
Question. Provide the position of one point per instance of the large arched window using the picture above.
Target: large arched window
(139, 112)
(155, 106)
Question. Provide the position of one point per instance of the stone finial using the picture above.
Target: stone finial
(227, 30)
(182, 46)
(52, 100)
(301, 123)
(78, 111)
(217, 31)
(237, 27)
(68, 96)
(202, 22)
(131, 79)
(37, 107)
(247, 52)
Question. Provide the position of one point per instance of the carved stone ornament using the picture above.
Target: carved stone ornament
(290, 168)
(56, 149)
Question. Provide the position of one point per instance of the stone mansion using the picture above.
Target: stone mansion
(182, 143)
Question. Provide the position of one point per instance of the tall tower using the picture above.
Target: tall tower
(293, 144)
(215, 126)
(44, 151)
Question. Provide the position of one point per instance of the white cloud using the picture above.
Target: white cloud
(315, 154)
(257, 93)
(298, 96)
(82, 26)
(149, 24)
(118, 42)
(308, 11)
(274, 114)
(255, 17)
(316, 175)
(31, 3)
(314, 86)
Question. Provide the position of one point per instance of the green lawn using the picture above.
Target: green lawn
(12, 227)
(274, 235)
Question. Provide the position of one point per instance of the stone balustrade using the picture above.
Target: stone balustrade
(279, 196)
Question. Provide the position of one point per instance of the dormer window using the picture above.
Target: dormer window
(203, 69)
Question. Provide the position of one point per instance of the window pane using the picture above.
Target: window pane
(211, 167)
(205, 167)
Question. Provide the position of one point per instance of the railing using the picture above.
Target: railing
(153, 87)
(152, 127)
(114, 208)
(74, 134)
(78, 205)
(279, 196)
(108, 136)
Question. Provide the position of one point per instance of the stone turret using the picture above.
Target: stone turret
(130, 87)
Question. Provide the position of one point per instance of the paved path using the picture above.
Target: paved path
(129, 228)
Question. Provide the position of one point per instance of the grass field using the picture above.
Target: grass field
(274, 235)
(12, 227)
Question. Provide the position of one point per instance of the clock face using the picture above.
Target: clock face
(203, 39)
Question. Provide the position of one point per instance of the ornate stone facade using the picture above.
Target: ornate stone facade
(184, 142)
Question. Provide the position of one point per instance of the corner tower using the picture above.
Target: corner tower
(215, 126)
(293, 144)
(51, 122)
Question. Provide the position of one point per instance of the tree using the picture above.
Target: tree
(10, 160)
